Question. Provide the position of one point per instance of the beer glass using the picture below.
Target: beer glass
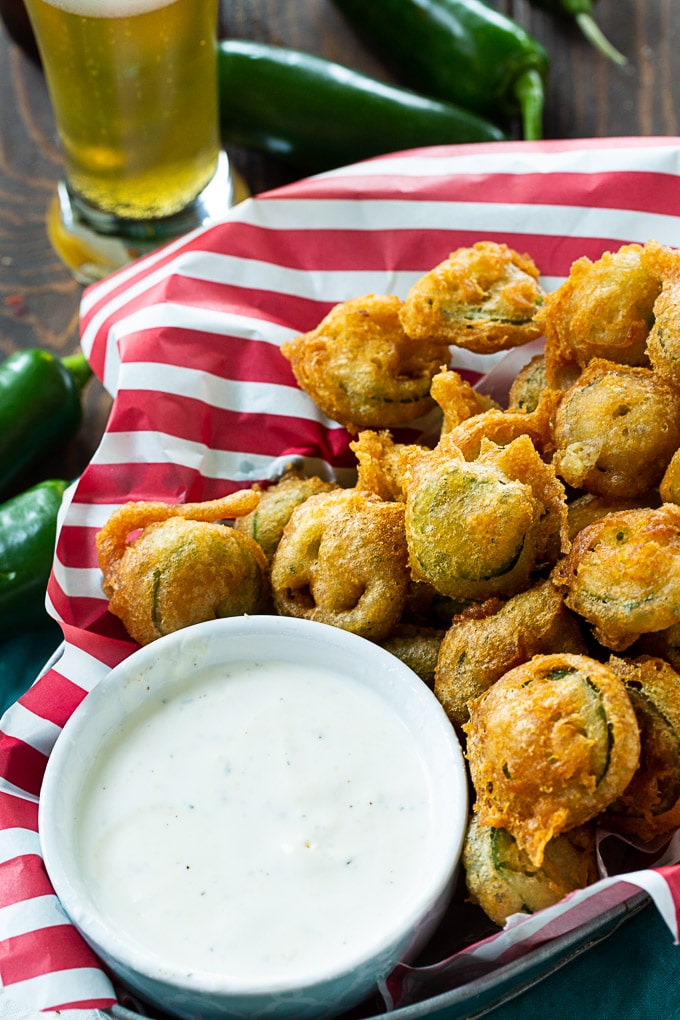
(133, 85)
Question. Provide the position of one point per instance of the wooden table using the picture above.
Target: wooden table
(587, 96)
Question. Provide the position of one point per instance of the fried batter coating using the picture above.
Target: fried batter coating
(663, 342)
(622, 574)
(457, 398)
(528, 385)
(482, 298)
(650, 804)
(604, 309)
(361, 369)
(381, 464)
(265, 524)
(481, 528)
(417, 647)
(616, 430)
(550, 745)
(486, 641)
(183, 567)
(669, 486)
(502, 880)
(342, 560)
(501, 427)
(587, 508)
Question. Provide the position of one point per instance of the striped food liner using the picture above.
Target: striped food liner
(186, 340)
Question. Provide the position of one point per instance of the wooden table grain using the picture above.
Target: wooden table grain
(587, 96)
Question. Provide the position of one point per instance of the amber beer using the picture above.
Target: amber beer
(133, 84)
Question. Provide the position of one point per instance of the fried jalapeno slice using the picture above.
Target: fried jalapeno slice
(528, 385)
(501, 427)
(342, 560)
(586, 508)
(480, 528)
(550, 746)
(616, 430)
(265, 524)
(663, 342)
(486, 641)
(604, 309)
(650, 804)
(360, 367)
(457, 398)
(481, 298)
(417, 647)
(381, 463)
(502, 880)
(183, 567)
(669, 486)
(622, 574)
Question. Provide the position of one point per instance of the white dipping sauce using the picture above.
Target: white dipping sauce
(264, 820)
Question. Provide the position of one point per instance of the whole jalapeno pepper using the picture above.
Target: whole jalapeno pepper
(40, 407)
(318, 115)
(28, 526)
(582, 12)
(461, 51)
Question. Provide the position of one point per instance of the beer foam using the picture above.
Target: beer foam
(108, 8)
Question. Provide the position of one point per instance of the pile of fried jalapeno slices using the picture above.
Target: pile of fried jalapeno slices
(525, 562)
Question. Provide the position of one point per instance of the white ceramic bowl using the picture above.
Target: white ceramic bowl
(359, 833)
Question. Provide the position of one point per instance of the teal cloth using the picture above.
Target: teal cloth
(22, 656)
(634, 974)
(631, 974)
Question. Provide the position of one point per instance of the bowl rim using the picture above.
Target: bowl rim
(107, 939)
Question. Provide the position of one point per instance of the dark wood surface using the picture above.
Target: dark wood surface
(588, 96)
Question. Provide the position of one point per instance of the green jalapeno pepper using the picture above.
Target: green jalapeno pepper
(318, 115)
(582, 12)
(40, 407)
(28, 525)
(461, 51)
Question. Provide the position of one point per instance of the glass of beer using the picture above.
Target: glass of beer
(133, 85)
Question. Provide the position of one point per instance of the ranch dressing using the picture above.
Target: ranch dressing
(264, 820)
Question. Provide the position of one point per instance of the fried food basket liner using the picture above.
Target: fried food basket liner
(187, 342)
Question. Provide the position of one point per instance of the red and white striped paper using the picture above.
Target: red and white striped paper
(187, 340)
